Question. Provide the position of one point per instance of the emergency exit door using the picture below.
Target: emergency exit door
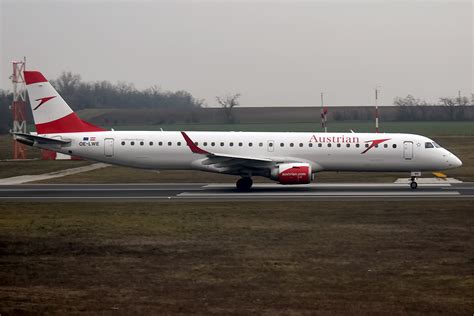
(109, 147)
(408, 150)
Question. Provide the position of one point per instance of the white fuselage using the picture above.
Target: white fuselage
(323, 151)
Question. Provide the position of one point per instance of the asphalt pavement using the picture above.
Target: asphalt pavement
(227, 191)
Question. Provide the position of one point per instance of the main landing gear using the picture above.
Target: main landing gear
(244, 184)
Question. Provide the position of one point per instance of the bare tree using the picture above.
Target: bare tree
(409, 107)
(228, 102)
(409, 100)
(454, 107)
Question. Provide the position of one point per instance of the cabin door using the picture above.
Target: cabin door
(109, 147)
(408, 150)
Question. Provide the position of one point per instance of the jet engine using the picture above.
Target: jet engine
(292, 173)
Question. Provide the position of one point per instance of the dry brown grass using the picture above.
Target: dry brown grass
(463, 147)
(36, 166)
(290, 258)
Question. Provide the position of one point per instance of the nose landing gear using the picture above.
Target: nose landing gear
(414, 176)
(244, 184)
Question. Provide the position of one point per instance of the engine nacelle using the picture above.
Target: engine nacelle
(292, 173)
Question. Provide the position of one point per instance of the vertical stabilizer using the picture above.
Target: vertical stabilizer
(50, 112)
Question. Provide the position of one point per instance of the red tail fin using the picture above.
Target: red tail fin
(50, 112)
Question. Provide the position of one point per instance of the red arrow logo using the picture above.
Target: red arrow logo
(374, 143)
(43, 101)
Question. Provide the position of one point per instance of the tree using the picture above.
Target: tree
(228, 102)
(409, 100)
(446, 101)
(409, 107)
(6, 99)
(454, 107)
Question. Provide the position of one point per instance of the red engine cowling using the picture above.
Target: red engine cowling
(292, 173)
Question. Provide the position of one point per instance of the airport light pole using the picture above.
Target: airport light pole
(324, 113)
(376, 109)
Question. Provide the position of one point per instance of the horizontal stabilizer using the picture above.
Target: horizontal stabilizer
(29, 139)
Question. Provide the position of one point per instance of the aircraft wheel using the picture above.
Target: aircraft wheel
(244, 184)
(413, 185)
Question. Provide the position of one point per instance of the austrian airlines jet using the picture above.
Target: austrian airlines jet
(289, 158)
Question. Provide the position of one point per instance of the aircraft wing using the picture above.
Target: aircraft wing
(229, 162)
(29, 139)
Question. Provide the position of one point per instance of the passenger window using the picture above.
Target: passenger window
(231, 144)
(123, 143)
(376, 146)
(366, 145)
(338, 145)
(394, 145)
(329, 144)
(282, 145)
(385, 146)
(169, 143)
(160, 143)
(429, 145)
(213, 144)
(240, 144)
(132, 143)
(222, 144)
(179, 143)
(348, 145)
(357, 145)
(250, 144)
(301, 144)
(320, 145)
(151, 143)
(142, 143)
(310, 144)
(291, 144)
(261, 144)
(205, 143)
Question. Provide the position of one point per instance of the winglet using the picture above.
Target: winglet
(194, 148)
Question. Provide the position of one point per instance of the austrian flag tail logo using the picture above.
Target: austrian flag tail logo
(374, 143)
(43, 101)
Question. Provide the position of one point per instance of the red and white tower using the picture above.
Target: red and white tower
(18, 107)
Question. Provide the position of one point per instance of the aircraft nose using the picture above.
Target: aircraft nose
(453, 161)
(456, 162)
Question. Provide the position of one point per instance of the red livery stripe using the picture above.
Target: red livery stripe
(34, 77)
(69, 124)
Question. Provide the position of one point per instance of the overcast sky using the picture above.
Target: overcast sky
(273, 52)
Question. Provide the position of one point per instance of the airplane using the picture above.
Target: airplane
(286, 157)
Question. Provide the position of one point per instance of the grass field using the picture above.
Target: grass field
(36, 166)
(272, 258)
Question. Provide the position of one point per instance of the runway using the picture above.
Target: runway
(227, 191)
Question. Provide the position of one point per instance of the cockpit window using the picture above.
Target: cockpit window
(436, 145)
(429, 145)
